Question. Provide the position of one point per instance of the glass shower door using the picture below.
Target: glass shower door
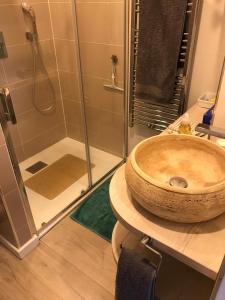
(101, 42)
(39, 67)
(63, 65)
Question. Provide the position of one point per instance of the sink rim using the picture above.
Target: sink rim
(214, 188)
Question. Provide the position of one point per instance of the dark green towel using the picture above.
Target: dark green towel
(96, 213)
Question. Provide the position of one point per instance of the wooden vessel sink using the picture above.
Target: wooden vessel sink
(178, 177)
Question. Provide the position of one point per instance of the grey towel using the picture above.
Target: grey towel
(161, 28)
(135, 278)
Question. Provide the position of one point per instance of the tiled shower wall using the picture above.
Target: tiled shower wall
(101, 32)
(64, 37)
(34, 131)
(101, 26)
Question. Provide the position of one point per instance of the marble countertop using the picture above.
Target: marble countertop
(200, 245)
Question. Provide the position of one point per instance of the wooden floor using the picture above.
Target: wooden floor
(72, 262)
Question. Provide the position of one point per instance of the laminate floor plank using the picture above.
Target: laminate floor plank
(17, 281)
(85, 250)
(65, 277)
(71, 263)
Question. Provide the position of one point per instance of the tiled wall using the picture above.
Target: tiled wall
(64, 37)
(101, 32)
(14, 225)
(101, 27)
(33, 131)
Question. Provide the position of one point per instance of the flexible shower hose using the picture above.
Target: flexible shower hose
(36, 52)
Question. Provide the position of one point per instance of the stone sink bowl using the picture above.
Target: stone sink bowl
(178, 177)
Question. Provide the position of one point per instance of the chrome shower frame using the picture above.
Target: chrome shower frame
(91, 186)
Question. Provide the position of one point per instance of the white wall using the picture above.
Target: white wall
(210, 50)
(219, 119)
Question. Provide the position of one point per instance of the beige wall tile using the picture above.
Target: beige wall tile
(93, 138)
(65, 51)
(111, 133)
(14, 134)
(69, 85)
(73, 113)
(12, 200)
(11, 134)
(20, 155)
(15, 210)
(103, 98)
(14, 204)
(6, 231)
(12, 24)
(32, 123)
(96, 60)
(4, 2)
(22, 93)
(105, 130)
(105, 25)
(19, 64)
(5, 227)
(62, 20)
(75, 132)
(92, 115)
(2, 139)
(23, 235)
(12, 130)
(7, 177)
(37, 1)
(44, 140)
(48, 54)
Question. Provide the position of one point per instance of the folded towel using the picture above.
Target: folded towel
(135, 278)
(161, 27)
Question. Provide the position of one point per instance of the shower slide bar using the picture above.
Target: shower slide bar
(149, 113)
(113, 85)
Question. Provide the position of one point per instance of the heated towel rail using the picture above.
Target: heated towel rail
(152, 114)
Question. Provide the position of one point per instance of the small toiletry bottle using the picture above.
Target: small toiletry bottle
(185, 125)
(207, 118)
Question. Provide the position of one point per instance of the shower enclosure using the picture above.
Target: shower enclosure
(62, 102)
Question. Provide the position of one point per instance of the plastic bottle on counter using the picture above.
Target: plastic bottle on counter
(185, 125)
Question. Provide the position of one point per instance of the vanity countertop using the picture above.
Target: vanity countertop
(199, 245)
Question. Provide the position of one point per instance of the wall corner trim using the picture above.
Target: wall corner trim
(24, 250)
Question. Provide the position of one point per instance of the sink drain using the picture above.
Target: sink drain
(179, 182)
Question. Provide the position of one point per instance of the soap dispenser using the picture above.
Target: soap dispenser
(185, 125)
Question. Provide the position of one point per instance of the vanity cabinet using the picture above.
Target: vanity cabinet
(193, 254)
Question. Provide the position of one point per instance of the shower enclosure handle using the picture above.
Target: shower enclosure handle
(7, 105)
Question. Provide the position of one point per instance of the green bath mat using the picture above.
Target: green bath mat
(96, 213)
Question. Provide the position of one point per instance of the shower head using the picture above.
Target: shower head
(28, 10)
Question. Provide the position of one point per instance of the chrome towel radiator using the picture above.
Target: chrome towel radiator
(159, 116)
